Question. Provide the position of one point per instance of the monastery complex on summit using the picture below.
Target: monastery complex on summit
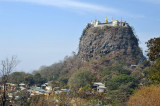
(121, 23)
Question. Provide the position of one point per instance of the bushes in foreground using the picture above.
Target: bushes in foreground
(146, 96)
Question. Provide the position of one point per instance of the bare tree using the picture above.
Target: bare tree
(6, 67)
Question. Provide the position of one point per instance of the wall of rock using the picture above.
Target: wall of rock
(111, 43)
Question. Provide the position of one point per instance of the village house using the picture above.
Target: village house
(43, 86)
(38, 91)
(11, 94)
(99, 87)
(22, 86)
(46, 87)
(11, 86)
(58, 91)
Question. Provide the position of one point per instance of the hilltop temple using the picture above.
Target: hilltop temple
(121, 23)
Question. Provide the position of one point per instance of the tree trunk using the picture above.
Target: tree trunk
(4, 95)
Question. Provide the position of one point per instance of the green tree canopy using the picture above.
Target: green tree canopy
(153, 48)
(122, 80)
(38, 79)
(29, 80)
(154, 56)
(17, 77)
(80, 79)
(154, 72)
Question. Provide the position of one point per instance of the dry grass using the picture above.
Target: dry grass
(146, 96)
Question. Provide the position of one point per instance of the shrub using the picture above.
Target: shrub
(154, 72)
(80, 79)
(63, 81)
(114, 69)
(121, 80)
(146, 96)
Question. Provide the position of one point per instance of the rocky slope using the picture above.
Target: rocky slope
(109, 44)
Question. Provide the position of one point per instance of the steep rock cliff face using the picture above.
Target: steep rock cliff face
(109, 44)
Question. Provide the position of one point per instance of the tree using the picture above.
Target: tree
(7, 66)
(38, 79)
(121, 81)
(80, 79)
(154, 56)
(16, 77)
(154, 71)
(29, 80)
(153, 49)
(63, 81)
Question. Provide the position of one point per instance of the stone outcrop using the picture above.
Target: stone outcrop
(109, 43)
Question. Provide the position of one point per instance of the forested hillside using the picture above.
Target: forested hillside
(109, 55)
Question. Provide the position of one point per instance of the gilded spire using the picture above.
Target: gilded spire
(112, 19)
(95, 19)
(106, 20)
(121, 19)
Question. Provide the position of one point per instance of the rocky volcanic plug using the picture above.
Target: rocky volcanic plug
(112, 43)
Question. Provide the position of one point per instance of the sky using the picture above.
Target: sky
(42, 32)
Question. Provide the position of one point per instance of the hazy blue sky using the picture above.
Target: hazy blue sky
(41, 32)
